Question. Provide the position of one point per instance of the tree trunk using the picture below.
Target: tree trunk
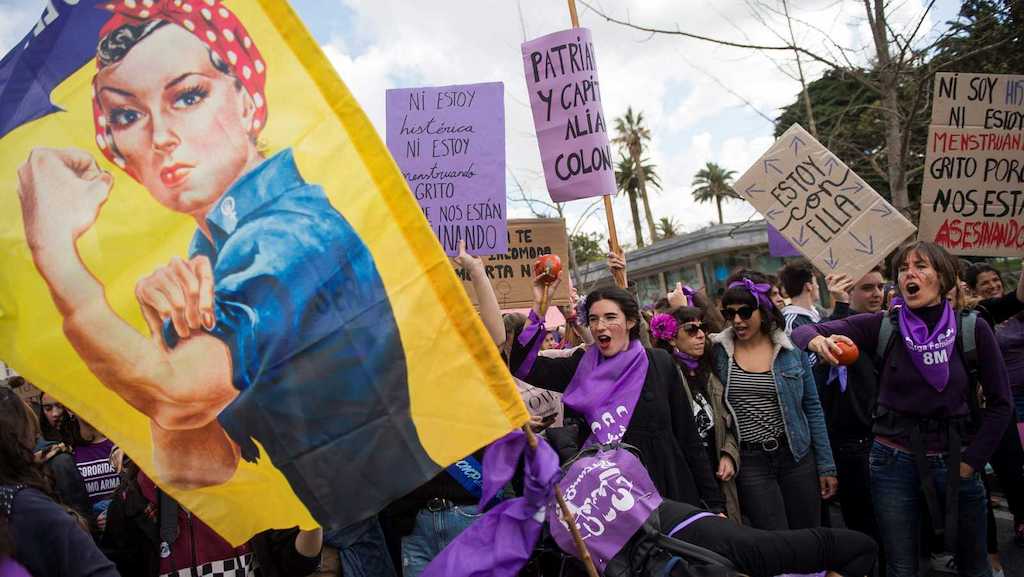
(641, 178)
(889, 81)
(718, 201)
(636, 219)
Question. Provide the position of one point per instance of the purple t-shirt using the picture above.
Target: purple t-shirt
(101, 480)
(902, 389)
(1011, 342)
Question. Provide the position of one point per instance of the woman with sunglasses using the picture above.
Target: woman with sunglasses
(624, 392)
(770, 391)
(683, 334)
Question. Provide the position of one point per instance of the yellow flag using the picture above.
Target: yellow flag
(210, 256)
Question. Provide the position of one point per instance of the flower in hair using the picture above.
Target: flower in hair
(664, 327)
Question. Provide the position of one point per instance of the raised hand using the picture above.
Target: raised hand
(839, 286)
(61, 193)
(467, 261)
(182, 291)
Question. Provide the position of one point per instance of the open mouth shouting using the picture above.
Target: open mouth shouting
(912, 288)
(604, 341)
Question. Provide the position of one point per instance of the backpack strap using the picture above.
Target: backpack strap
(968, 346)
(887, 333)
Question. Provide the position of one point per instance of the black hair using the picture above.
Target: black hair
(19, 428)
(625, 300)
(946, 267)
(771, 317)
(66, 431)
(794, 275)
(976, 270)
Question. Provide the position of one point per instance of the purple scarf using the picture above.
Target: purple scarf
(535, 326)
(606, 390)
(499, 543)
(690, 362)
(930, 352)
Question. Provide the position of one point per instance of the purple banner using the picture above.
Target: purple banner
(449, 142)
(611, 496)
(565, 96)
(778, 245)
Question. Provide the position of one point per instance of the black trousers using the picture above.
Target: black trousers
(777, 492)
(760, 553)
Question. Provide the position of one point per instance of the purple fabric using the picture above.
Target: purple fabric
(690, 362)
(929, 351)
(778, 245)
(605, 390)
(1010, 336)
(499, 543)
(689, 521)
(611, 496)
(11, 568)
(534, 327)
(840, 374)
(689, 293)
(761, 291)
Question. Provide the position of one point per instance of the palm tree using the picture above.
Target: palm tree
(713, 183)
(627, 181)
(668, 227)
(631, 134)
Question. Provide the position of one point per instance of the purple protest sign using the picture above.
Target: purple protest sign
(449, 142)
(611, 496)
(778, 245)
(561, 79)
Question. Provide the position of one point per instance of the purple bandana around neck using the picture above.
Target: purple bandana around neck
(690, 362)
(930, 352)
(605, 390)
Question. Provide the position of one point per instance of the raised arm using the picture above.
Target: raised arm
(553, 374)
(490, 313)
(861, 330)
(61, 193)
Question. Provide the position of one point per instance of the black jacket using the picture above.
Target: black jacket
(661, 427)
(848, 415)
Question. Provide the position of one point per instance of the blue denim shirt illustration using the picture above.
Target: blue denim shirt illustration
(315, 350)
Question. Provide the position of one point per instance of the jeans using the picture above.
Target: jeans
(362, 549)
(895, 489)
(776, 492)
(433, 531)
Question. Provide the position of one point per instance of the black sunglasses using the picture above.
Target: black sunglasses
(692, 328)
(745, 312)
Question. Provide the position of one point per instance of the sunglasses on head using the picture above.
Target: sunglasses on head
(745, 312)
(692, 328)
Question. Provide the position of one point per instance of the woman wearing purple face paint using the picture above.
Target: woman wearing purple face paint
(623, 392)
(770, 393)
(924, 414)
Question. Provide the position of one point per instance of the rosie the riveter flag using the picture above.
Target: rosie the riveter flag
(210, 255)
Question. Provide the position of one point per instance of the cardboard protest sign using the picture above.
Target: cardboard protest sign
(328, 363)
(972, 199)
(511, 273)
(822, 207)
(565, 96)
(449, 142)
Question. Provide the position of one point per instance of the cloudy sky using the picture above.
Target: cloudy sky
(702, 102)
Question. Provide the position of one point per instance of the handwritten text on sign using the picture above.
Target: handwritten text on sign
(511, 273)
(972, 199)
(565, 96)
(449, 142)
(821, 206)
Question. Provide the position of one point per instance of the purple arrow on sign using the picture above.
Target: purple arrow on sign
(865, 247)
(750, 189)
(855, 188)
(795, 144)
(831, 261)
(770, 163)
(883, 210)
(801, 241)
(830, 164)
(771, 214)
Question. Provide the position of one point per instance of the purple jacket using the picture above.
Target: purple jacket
(901, 388)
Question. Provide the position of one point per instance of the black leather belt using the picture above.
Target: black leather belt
(767, 445)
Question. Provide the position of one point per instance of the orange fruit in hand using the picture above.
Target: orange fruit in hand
(548, 267)
(849, 355)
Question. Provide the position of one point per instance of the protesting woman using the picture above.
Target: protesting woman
(47, 539)
(625, 392)
(781, 428)
(926, 392)
(683, 335)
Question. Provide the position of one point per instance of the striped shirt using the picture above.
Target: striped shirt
(755, 400)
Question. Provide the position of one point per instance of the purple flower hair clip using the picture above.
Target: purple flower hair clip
(664, 327)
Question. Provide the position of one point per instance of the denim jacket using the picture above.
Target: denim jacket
(798, 396)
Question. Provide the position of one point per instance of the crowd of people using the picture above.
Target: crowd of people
(742, 404)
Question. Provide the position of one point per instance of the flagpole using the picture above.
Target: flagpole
(581, 547)
(613, 235)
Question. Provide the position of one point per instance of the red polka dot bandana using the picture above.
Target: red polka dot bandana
(214, 25)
